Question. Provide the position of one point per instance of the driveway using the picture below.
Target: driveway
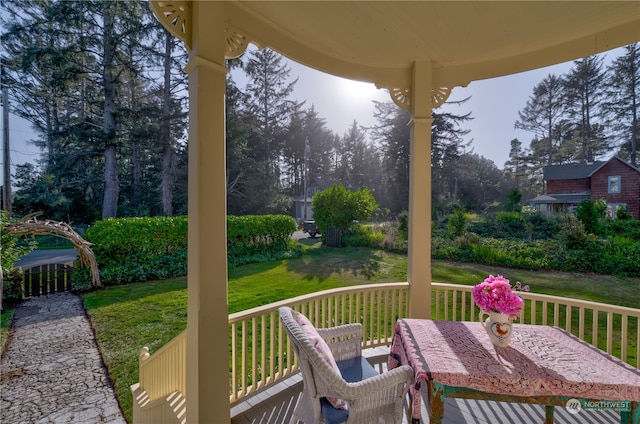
(54, 256)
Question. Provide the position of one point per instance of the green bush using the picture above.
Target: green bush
(360, 235)
(457, 223)
(590, 214)
(260, 238)
(12, 247)
(623, 228)
(115, 239)
(403, 224)
(339, 207)
(141, 249)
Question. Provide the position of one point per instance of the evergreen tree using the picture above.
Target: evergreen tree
(447, 145)
(542, 112)
(392, 134)
(516, 166)
(584, 95)
(623, 101)
(268, 101)
(81, 72)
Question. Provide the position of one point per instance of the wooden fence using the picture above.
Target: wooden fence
(46, 279)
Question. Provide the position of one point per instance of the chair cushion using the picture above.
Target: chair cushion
(323, 349)
(356, 369)
(332, 415)
(352, 370)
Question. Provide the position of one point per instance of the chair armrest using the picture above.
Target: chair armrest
(403, 375)
(345, 341)
(384, 392)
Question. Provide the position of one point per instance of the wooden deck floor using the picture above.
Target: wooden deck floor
(275, 406)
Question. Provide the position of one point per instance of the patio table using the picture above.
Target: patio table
(542, 365)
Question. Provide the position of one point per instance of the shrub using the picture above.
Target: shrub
(590, 213)
(12, 247)
(115, 239)
(513, 201)
(623, 214)
(339, 207)
(624, 228)
(403, 224)
(457, 223)
(141, 249)
(260, 238)
(360, 235)
(249, 235)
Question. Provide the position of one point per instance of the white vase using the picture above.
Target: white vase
(498, 326)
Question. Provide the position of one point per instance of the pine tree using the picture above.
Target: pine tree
(268, 101)
(623, 101)
(542, 112)
(583, 96)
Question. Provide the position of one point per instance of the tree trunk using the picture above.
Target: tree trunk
(110, 199)
(167, 147)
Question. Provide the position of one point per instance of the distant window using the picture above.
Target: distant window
(613, 208)
(614, 184)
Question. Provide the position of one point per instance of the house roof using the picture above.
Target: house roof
(571, 171)
(574, 198)
(577, 171)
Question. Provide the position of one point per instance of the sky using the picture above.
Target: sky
(494, 105)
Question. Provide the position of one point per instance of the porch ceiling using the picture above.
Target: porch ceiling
(464, 40)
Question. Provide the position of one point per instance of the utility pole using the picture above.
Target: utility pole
(6, 192)
(307, 150)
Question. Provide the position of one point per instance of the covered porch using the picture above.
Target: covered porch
(418, 51)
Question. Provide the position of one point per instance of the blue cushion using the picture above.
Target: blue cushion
(332, 415)
(356, 369)
(352, 370)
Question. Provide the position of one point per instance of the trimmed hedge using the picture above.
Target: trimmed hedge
(150, 248)
(260, 238)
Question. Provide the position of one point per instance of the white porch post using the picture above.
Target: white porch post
(207, 312)
(419, 266)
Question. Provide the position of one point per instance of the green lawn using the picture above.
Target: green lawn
(126, 318)
(5, 322)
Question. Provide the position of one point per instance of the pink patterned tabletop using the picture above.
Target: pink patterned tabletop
(539, 361)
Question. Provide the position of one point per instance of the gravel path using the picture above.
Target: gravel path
(52, 371)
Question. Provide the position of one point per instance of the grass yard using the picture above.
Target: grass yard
(126, 318)
(5, 322)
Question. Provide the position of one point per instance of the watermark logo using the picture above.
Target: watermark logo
(576, 405)
(573, 406)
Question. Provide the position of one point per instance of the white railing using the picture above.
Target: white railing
(260, 353)
(614, 329)
(164, 372)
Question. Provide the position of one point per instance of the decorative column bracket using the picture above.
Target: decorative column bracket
(402, 96)
(175, 17)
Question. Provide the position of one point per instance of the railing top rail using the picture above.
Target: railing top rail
(555, 299)
(261, 310)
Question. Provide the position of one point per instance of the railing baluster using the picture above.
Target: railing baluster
(624, 337)
(594, 329)
(609, 331)
(234, 361)
(244, 358)
(581, 322)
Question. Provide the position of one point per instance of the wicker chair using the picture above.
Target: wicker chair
(371, 397)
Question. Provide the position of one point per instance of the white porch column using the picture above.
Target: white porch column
(207, 321)
(419, 264)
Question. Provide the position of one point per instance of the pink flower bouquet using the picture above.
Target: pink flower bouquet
(495, 294)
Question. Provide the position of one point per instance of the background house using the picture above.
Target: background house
(614, 181)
